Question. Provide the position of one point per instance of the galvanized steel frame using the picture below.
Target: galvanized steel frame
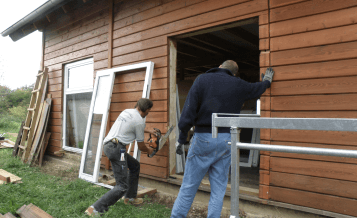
(237, 121)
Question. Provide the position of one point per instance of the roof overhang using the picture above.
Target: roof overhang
(28, 24)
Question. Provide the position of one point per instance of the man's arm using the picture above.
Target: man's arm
(142, 147)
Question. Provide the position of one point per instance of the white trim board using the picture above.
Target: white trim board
(104, 95)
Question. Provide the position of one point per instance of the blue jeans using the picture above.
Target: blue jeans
(206, 154)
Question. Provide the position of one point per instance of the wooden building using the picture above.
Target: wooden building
(311, 45)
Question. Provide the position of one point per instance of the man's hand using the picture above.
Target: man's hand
(154, 132)
(150, 150)
(269, 73)
(179, 149)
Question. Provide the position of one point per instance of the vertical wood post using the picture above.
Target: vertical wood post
(110, 63)
(172, 97)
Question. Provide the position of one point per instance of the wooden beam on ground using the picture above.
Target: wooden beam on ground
(146, 191)
(6, 179)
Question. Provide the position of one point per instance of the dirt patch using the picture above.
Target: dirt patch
(67, 172)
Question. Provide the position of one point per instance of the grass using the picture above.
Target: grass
(61, 198)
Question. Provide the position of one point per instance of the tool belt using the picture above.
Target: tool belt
(115, 141)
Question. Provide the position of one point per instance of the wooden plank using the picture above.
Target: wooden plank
(314, 102)
(264, 177)
(41, 130)
(321, 169)
(135, 96)
(33, 211)
(280, 3)
(315, 54)
(321, 137)
(264, 44)
(172, 17)
(44, 147)
(9, 215)
(66, 47)
(138, 46)
(55, 74)
(315, 114)
(5, 175)
(87, 10)
(141, 55)
(5, 179)
(316, 38)
(265, 103)
(131, 76)
(308, 8)
(265, 162)
(18, 140)
(159, 62)
(75, 36)
(314, 200)
(264, 191)
(315, 70)
(160, 172)
(36, 106)
(314, 184)
(160, 161)
(78, 54)
(264, 59)
(315, 86)
(196, 21)
(54, 81)
(316, 157)
(316, 22)
(137, 86)
(55, 122)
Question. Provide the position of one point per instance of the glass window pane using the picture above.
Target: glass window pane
(81, 76)
(90, 156)
(78, 106)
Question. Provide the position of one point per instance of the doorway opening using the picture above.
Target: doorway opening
(199, 51)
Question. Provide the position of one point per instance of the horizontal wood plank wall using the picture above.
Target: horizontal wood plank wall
(80, 34)
(313, 50)
(140, 34)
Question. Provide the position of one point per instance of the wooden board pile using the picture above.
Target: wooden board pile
(32, 139)
(28, 211)
(6, 144)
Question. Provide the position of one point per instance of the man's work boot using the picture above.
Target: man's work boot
(133, 201)
(92, 212)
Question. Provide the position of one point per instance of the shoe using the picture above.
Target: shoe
(133, 201)
(92, 212)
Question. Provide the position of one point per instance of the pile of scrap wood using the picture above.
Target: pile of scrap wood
(6, 144)
(6, 177)
(32, 139)
(28, 211)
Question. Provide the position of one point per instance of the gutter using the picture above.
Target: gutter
(40, 11)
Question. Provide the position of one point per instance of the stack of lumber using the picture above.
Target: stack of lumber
(32, 139)
(28, 211)
(6, 177)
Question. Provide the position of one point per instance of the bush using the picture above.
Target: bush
(9, 123)
(19, 112)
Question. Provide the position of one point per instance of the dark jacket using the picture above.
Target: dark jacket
(216, 91)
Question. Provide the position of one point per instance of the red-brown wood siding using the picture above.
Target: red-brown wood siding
(313, 52)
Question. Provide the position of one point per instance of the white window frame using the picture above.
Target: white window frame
(149, 66)
(66, 92)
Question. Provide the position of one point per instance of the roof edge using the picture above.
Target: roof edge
(47, 6)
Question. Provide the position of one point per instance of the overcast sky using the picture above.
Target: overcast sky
(19, 61)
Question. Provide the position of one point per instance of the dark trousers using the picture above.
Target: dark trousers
(125, 184)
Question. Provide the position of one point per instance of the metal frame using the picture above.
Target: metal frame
(73, 91)
(235, 123)
(149, 66)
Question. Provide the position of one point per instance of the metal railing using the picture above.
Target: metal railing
(235, 123)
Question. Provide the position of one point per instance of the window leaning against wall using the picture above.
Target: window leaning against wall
(78, 88)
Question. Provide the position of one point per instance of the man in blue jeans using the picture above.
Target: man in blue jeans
(129, 126)
(219, 90)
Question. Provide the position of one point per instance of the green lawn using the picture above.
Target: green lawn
(61, 198)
